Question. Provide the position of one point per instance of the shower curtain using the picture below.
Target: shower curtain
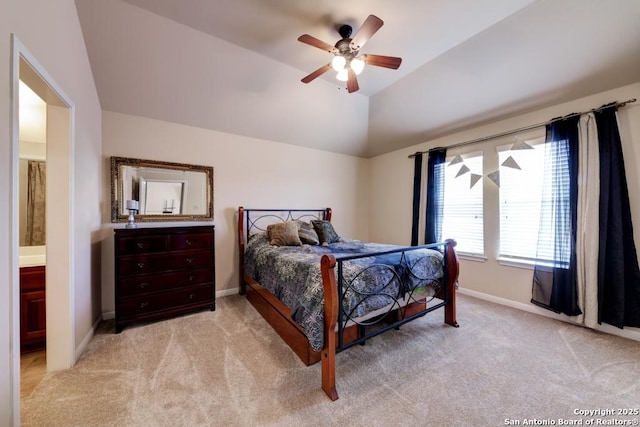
(36, 190)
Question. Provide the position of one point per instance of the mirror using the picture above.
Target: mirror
(165, 191)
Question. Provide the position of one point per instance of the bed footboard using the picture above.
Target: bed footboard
(333, 320)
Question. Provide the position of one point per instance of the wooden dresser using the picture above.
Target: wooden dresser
(162, 272)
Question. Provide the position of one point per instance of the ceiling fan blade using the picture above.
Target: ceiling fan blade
(312, 41)
(368, 29)
(320, 71)
(352, 82)
(383, 61)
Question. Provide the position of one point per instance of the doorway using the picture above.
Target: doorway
(32, 136)
(59, 295)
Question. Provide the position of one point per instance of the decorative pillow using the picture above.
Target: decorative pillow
(307, 233)
(284, 234)
(325, 231)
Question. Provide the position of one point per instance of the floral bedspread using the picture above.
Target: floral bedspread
(292, 274)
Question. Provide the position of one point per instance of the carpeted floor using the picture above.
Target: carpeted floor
(228, 367)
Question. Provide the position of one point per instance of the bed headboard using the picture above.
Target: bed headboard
(251, 221)
(256, 220)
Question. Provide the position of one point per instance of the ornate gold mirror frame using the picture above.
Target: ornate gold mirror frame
(164, 191)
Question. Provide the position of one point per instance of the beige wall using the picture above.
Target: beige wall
(50, 31)
(7, 276)
(247, 172)
(391, 191)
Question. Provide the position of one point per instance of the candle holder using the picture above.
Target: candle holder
(132, 206)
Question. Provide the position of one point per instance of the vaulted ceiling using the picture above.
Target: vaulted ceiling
(235, 65)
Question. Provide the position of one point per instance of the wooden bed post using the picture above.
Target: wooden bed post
(328, 353)
(327, 214)
(241, 243)
(452, 279)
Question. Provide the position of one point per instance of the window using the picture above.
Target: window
(525, 193)
(520, 197)
(463, 212)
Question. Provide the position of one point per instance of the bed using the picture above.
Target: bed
(327, 294)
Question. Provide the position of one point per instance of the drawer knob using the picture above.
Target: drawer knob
(144, 304)
(192, 277)
(143, 285)
(142, 265)
(191, 259)
(142, 245)
(189, 242)
(193, 295)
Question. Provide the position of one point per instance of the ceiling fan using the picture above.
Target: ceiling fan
(347, 61)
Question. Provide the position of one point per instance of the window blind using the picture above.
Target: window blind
(525, 203)
(463, 205)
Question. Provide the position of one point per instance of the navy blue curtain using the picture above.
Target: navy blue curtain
(555, 280)
(435, 194)
(415, 214)
(618, 273)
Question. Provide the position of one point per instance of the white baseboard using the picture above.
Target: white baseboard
(80, 349)
(631, 333)
(227, 292)
(109, 315)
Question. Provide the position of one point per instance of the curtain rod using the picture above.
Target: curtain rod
(525, 128)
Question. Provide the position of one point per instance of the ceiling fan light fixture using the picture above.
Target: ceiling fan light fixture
(346, 61)
(338, 63)
(357, 65)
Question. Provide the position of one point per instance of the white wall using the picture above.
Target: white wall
(247, 172)
(392, 180)
(50, 31)
(7, 277)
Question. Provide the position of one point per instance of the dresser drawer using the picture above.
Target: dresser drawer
(146, 264)
(181, 242)
(140, 305)
(141, 245)
(138, 285)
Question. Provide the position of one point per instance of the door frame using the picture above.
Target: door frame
(60, 313)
